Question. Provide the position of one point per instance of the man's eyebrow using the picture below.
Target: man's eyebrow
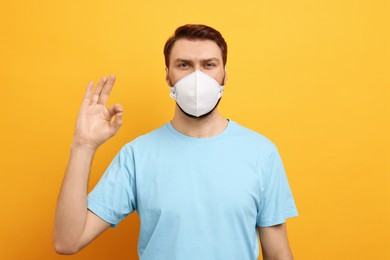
(211, 59)
(182, 60)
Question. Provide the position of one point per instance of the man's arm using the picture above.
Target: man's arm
(274, 243)
(75, 226)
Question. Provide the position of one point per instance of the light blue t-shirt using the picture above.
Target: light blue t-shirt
(197, 198)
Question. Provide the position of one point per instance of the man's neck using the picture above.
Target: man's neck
(207, 127)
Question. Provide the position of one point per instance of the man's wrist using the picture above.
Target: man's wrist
(83, 148)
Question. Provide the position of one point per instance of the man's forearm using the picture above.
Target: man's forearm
(287, 256)
(71, 211)
(284, 255)
(279, 258)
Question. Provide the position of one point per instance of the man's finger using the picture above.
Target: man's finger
(116, 124)
(98, 90)
(87, 94)
(106, 90)
(113, 110)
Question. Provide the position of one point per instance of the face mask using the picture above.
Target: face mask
(197, 93)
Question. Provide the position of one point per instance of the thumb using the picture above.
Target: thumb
(113, 110)
(116, 124)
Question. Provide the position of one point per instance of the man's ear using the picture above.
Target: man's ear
(225, 78)
(167, 77)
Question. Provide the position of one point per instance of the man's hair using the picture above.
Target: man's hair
(195, 32)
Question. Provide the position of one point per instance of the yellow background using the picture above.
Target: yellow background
(312, 76)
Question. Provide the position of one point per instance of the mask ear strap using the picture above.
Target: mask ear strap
(172, 93)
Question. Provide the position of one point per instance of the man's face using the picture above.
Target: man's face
(190, 55)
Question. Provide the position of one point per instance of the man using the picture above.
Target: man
(203, 186)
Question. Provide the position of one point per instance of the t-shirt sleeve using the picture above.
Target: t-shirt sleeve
(276, 200)
(114, 196)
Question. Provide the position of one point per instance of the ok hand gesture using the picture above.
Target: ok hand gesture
(94, 123)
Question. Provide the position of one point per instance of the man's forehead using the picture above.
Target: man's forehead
(195, 49)
(202, 60)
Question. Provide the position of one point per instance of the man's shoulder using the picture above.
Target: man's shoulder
(150, 137)
(251, 136)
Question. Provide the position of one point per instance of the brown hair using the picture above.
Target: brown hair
(195, 32)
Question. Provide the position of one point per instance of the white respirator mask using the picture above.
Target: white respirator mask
(197, 93)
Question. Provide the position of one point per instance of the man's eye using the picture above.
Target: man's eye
(210, 64)
(182, 65)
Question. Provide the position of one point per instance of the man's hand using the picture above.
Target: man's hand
(94, 126)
